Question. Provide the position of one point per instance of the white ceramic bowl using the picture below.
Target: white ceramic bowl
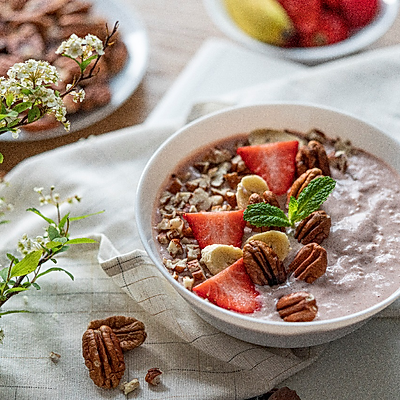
(358, 40)
(228, 123)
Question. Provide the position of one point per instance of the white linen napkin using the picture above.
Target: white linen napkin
(198, 361)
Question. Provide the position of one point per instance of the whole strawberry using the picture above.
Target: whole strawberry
(303, 13)
(331, 28)
(359, 13)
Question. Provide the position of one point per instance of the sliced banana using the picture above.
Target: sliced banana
(217, 257)
(247, 186)
(261, 136)
(278, 241)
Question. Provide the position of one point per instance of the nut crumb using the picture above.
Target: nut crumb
(54, 357)
(153, 376)
(128, 387)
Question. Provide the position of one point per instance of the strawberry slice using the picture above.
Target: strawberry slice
(218, 227)
(231, 289)
(275, 162)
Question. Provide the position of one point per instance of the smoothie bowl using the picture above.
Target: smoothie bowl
(278, 223)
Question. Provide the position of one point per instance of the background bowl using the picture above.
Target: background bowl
(360, 39)
(223, 124)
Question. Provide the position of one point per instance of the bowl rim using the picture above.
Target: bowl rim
(288, 328)
(358, 40)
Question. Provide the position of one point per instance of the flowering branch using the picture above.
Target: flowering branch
(22, 274)
(27, 94)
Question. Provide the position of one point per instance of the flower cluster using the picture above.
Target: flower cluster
(76, 47)
(28, 93)
(53, 197)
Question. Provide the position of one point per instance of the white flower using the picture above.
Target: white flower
(78, 96)
(73, 47)
(95, 43)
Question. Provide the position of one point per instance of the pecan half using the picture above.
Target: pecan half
(301, 182)
(103, 357)
(129, 331)
(313, 155)
(297, 307)
(313, 229)
(262, 264)
(310, 263)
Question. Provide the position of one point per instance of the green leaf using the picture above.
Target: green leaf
(33, 114)
(17, 289)
(53, 232)
(4, 273)
(63, 221)
(81, 240)
(313, 195)
(27, 265)
(54, 245)
(12, 312)
(85, 216)
(53, 269)
(12, 258)
(36, 211)
(9, 99)
(35, 285)
(292, 207)
(9, 114)
(21, 107)
(84, 64)
(1, 158)
(263, 214)
(26, 91)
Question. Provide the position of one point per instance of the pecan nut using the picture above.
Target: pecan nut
(302, 181)
(313, 229)
(297, 307)
(153, 376)
(129, 331)
(310, 263)
(313, 155)
(103, 357)
(262, 264)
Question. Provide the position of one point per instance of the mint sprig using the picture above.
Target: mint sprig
(309, 200)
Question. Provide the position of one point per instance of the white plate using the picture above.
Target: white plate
(122, 85)
(362, 38)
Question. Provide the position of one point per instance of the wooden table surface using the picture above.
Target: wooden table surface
(176, 29)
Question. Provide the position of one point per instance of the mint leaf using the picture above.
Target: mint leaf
(311, 198)
(263, 214)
